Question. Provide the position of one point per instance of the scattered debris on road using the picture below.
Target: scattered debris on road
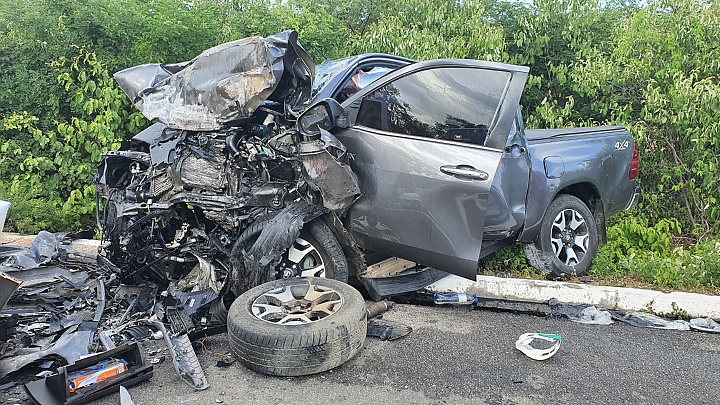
(705, 325)
(537, 353)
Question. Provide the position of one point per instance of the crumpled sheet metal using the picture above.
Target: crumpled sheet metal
(276, 237)
(71, 346)
(223, 84)
(335, 181)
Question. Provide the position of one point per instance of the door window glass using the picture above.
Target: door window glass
(455, 104)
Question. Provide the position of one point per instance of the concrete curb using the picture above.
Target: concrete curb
(617, 298)
(534, 291)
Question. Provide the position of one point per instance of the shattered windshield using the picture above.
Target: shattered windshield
(325, 72)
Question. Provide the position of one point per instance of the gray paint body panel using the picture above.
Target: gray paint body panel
(589, 156)
(409, 208)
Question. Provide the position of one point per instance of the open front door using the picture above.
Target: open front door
(419, 145)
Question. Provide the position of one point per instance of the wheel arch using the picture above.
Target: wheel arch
(589, 194)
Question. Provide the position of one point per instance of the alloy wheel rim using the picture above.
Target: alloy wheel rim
(302, 259)
(569, 237)
(300, 304)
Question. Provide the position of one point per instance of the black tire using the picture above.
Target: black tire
(556, 250)
(315, 232)
(269, 347)
(318, 234)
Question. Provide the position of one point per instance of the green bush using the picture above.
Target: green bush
(650, 254)
(31, 213)
(507, 262)
(49, 173)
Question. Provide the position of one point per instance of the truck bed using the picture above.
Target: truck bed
(540, 134)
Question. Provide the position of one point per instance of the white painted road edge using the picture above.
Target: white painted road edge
(617, 298)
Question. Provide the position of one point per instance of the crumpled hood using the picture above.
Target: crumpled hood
(224, 84)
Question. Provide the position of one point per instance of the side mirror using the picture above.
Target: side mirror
(321, 115)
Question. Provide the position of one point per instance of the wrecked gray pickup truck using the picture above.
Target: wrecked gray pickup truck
(256, 173)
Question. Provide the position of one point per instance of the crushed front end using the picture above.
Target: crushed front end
(177, 203)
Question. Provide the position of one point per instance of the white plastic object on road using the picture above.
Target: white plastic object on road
(4, 206)
(523, 344)
(125, 398)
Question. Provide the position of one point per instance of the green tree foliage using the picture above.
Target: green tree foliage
(651, 66)
(53, 169)
(649, 254)
(431, 29)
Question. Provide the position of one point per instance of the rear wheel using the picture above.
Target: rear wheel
(568, 239)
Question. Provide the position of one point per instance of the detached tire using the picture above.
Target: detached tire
(568, 239)
(297, 326)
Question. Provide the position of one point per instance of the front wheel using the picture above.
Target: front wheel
(568, 239)
(315, 253)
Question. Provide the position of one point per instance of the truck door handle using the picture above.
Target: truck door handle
(465, 171)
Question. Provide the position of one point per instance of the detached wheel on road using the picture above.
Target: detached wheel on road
(297, 326)
(568, 239)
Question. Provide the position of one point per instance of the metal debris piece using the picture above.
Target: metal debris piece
(8, 286)
(185, 361)
(125, 398)
(43, 276)
(43, 249)
(374, 309)
(71, 346)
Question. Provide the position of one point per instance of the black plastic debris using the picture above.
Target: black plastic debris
(184, 358)
(387, 330)
(381, 328)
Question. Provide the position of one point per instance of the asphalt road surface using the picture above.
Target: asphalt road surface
(459, 356)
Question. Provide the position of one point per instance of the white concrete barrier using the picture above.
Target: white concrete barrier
(617, 298)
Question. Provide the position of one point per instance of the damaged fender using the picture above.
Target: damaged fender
(277, 235)
(325, 172)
